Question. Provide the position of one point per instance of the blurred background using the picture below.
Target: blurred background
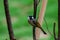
(19, 12)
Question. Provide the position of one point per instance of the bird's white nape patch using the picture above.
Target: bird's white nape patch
(32, 17)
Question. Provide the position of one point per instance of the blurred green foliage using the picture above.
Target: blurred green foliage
(19, 12)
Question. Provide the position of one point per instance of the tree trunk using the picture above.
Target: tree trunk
(58, 19)
(40, 19)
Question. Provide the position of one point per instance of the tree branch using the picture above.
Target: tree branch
(41, 16)
(54, 31)
(10, 30)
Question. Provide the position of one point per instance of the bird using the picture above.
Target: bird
(34, 23)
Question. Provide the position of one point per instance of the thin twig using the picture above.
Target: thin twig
(10, 30)
(54, 31)
(34, 15)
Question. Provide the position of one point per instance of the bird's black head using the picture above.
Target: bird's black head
(30, 17)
